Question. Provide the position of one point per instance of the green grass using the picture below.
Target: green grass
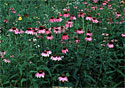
(87, 64)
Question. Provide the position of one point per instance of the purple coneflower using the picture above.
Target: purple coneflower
(45, 54)
(66, 14)
(52, 19)
(64, 37)
(79, 31)
(40, 74)
(63, 78)
(6, 60)
(49, 37)
(110, 44)
(64, 50)
(88, 38)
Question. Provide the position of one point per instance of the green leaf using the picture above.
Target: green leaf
(47, 69)
(116, 85)
(22, 80)
(121, 73)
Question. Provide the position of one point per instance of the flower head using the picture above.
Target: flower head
(13, 29)
(88, 33)
(88, 38)
(6, 60)
(123, 34)
(29, 31)
(52, 19)
(81, 14)
(2, 52)
(58, 19)
(56, 58)
(79, 31)
(73, 17)
(64, 37)
(110, 45)
(5, 21)
(40, 74)
(49, 37)
(66, 14)
(45, 54)
(63, 78)
(64, 50)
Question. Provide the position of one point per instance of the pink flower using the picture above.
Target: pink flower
(118, 14)
(95, 1)
(109, 6)
(123, 34)
(41, 30)
(52, 19)
(48, 51)
(81, 14)
(13, 29)
(89, 17)
(88, 33)
(35, 32)
(11, 8)
(45, 54)
(65, 9)
(73, 17)
(101, 8)
(88, 38)
(29, 31)
(56, 58)
(110, 44)
(2, 52)
(64, 50)
(57, 30)
(58, 19)
(29, 62)
(5, 20)
(79, 31)
(93, 7)
(63, 78)
(40, 74)
(49, 37)
(13, 11)
(105, 34)
(62, 28)
(66, 14)
(6, 60)
(64, 37)
(18, 31)
(84, 2)
(104, 3)
(94, 20)
(75, 7)
(47, 31)
(76, 40)
(60, 14)
(69, 23)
